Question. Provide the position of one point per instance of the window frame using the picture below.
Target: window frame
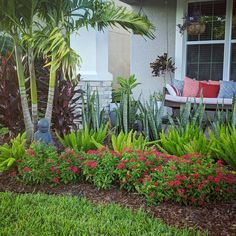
(181, 42)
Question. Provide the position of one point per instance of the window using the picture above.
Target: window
(212, 54)
(233, 45)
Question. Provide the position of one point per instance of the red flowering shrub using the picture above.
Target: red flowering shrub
(134, 167)
(191, 179)
(98, 167)
(42, 164)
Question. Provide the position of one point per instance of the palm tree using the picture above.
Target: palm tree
(43, 27)
(15, 17)
(64, 17)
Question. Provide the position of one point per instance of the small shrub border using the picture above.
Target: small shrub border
(190, 179)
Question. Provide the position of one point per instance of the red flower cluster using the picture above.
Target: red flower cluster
(26, 169)
(92, 164)
(90, 152)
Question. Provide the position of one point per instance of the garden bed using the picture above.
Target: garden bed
(217, 218)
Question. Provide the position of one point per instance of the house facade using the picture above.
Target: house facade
(210, 55)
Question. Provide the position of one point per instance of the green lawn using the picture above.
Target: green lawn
(41, 214)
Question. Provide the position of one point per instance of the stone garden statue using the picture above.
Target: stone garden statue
(43, 133)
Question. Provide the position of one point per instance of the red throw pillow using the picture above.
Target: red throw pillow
(208, 90)
(214, 82)
(191, 87)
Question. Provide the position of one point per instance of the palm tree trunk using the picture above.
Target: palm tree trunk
(33, 89)
(23, 96)
(51, 90)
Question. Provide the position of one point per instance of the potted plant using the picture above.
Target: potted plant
(194, 24)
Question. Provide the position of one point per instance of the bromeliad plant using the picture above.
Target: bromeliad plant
(224, 144)
(84, 139)
(123, 141)
(10, 153)
(182, 141)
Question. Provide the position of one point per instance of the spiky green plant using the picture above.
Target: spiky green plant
(9, 153)
(93, 116)
(224, 117)
(124, 141)
(151, 115)
(189, 114)
(189, 139)
(84, 139)
(127, 111)
(224, 144)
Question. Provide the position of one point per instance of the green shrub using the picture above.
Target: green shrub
(84, 139)
(224, 144)
(10, 153)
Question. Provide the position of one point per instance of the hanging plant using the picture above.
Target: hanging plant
(162, 65)
(195, 24)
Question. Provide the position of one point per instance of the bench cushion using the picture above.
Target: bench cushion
(213, 101)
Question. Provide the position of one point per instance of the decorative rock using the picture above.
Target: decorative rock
(43, 134)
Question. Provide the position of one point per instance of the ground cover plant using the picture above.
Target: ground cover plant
(63, 215)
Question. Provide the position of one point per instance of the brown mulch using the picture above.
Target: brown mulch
(218, 219)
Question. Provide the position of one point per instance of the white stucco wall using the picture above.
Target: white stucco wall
(143, 52)
(119, 50)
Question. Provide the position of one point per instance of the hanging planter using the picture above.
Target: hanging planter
(194, 24)
(196, 28)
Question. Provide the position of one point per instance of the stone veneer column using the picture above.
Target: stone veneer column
(92, 46)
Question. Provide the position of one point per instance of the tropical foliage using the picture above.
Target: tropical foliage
(43, 28)
(10, 153)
